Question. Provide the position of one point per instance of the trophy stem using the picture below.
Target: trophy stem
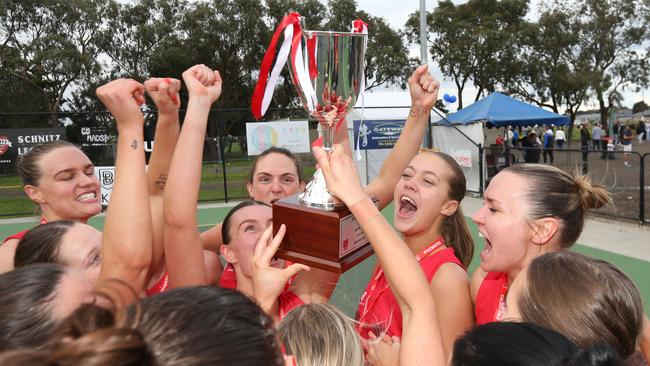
(328, 137)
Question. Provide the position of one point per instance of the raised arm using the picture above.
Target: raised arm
(164, 93)
(183, 248)
(127, 242)
(424, 93)
(421, 337)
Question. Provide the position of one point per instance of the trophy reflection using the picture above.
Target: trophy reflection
(321, 231)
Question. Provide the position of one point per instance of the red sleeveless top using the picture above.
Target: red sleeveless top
(490, 300)
(159, 287)
(378, 309)
(287, 301)
(19, 236)
(228, 278)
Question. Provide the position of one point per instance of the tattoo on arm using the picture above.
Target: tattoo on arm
(411, 113)
(134, 144)
(161, 182)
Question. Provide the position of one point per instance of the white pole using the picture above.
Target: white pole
(423, 57)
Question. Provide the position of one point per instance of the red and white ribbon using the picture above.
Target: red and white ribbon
(266, 83)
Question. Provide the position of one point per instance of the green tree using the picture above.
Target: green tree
(553, 75)
(50, 45)
(639, 106)
(611, 33)
(474, 42)
(386, 57)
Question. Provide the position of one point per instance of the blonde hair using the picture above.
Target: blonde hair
(321, 335)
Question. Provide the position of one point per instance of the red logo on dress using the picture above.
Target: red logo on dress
(5, 144)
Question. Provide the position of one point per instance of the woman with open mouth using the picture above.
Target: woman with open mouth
(528, 210)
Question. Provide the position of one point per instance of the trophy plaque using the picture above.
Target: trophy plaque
(327, 70)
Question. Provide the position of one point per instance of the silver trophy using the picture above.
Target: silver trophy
(328, 84)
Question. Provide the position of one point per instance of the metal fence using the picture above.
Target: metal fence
(226, 164)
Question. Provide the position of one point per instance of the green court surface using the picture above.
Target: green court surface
(353, 282)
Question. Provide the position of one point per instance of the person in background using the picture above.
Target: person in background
(560, 137)
(640, 131)
(627, 145)
(647, 128)
(548, 144)
(616, 132)
(532, 145)
(596, 136)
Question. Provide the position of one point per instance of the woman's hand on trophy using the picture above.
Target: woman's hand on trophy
(269, 281)
(123, 98)
(164, 93)
(424, 91)
(203, 84)
(340, 174)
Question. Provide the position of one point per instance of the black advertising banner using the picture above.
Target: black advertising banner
(15, 142)
(96, 136)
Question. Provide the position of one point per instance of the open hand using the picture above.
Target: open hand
(164, 93)
(123, 98)
(424, 90)
(268, 281)
(340, 174)
(203, 83)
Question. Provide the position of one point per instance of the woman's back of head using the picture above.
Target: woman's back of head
(26, 316)
(587, 299)
(41, 243)
(188, 326)
(319, 334)
(525, 344)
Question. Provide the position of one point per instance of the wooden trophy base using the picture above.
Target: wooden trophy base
(328, 240)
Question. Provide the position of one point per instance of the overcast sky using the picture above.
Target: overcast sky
(396, 15)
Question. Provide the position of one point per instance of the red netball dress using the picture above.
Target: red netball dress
(491, 298)
(378, 309)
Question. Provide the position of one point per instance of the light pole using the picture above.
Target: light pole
(423, 57)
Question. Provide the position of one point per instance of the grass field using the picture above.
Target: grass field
(353, 282)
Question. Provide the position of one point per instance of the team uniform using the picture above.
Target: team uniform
(378, 309)
(491, 298)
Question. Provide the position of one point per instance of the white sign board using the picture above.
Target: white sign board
(293, 136)
(106, 176)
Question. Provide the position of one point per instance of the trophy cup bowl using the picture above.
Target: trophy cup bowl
(321, 231)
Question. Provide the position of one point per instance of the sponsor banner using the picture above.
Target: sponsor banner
(106, 177)
(15, 142)
(463, 157)
(96, 136)
(293, 136)
(377, 134)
